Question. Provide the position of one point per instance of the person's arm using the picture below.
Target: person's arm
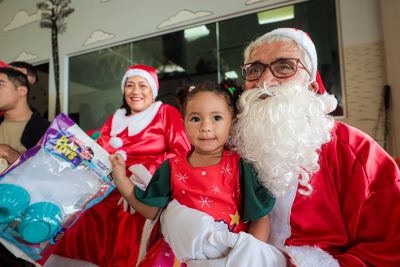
(260, 228)
(370, 189)
(126, 188)
(8, 153)
(257, 202)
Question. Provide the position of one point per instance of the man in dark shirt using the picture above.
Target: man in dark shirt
(20, 127)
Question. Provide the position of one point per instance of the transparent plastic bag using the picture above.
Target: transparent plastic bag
(45, 191)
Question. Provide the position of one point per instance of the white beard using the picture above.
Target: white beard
(282, 134)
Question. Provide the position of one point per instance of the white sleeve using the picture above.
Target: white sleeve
(140, 176)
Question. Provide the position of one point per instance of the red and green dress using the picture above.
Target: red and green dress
(228, 191)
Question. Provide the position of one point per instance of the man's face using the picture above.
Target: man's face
(268, 53)
(9, 93)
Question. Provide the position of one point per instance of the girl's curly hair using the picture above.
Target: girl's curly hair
(228, 88)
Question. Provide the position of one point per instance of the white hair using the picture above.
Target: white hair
(304, 57)
(280, 130)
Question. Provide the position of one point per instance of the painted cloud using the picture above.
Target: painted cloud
(183, 15)
(250, 2)
(25, 56)
(20, 19)
(98, 36)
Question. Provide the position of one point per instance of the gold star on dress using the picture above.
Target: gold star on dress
(234, 218)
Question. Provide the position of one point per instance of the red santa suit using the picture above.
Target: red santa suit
(108, 234)
(352, 218)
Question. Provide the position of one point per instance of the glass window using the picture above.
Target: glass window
(317, 18)
(206, 52)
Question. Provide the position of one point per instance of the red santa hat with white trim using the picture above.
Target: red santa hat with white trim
(144, 71)
(304, 41)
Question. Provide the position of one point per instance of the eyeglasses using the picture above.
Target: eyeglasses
(281, 68)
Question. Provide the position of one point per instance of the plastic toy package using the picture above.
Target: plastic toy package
(44, 192)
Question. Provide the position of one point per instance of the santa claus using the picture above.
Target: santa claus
(338, 191)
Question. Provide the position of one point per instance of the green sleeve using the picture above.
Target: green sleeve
(158, 192)
(257, 200)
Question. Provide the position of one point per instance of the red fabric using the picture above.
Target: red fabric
(160, 254)
(397, 160)
(106, 234)
(90, 132)
(3, 64)
(150, 70)
(321, 86)
(354, 211)
(211, 189)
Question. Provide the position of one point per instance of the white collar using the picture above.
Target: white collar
(135, 123)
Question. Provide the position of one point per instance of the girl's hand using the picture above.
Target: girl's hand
(118, 166)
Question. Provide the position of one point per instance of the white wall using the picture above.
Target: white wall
(126, 20)
(366, 66)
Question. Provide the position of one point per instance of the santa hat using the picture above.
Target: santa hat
(144, 71)
(3, 64)
(303, 40)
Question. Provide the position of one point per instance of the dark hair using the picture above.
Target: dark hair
(125, 106)
(228, 88)
(16, 77)
(30, 69)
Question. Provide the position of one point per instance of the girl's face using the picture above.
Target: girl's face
(208, 119)
(138, 94)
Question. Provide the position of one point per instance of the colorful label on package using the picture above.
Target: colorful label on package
(69, 148)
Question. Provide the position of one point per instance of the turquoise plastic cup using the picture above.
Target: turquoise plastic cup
(40, 222)
(14, 200)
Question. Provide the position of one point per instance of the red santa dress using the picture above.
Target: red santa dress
(108, 234)
(224, 191)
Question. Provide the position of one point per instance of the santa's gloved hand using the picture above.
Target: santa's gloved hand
(246, 251)
(187, 230)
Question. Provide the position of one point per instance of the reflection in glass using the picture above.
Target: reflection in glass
(197, 54)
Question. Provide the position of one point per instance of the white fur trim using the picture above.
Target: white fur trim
(304, 41)
(116, 142)
(135, 123)
(329, 101)
(280, 217)
(59, 261)
(123, 154)
(307, 256)
(141, 73)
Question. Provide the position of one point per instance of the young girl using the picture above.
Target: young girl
(209, 178)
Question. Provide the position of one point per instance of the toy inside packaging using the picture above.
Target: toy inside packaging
(44, 192)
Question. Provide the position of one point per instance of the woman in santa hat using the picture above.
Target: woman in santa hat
(145, 132)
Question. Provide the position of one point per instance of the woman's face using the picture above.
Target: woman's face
(138, 94)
